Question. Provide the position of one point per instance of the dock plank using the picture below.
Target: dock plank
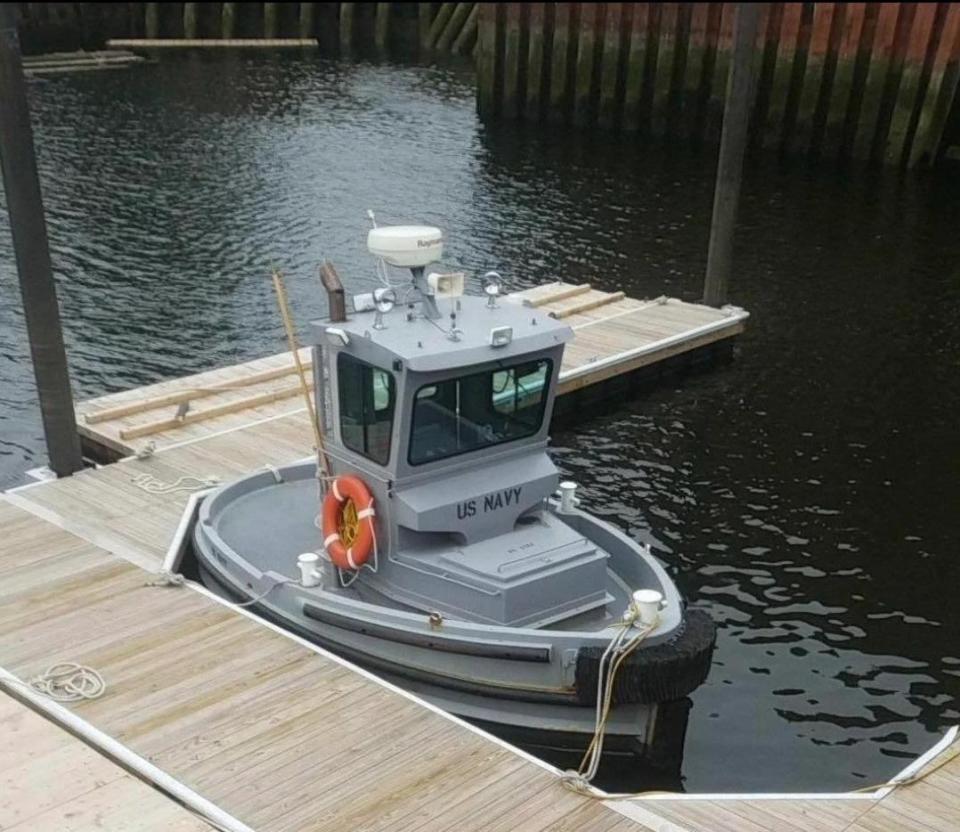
(49, 780)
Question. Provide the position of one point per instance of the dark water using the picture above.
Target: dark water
(806, 495)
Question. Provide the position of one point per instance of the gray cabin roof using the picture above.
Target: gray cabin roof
(426, 346)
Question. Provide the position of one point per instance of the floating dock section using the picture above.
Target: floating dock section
(616, 338)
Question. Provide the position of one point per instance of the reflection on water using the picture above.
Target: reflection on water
(805, 495)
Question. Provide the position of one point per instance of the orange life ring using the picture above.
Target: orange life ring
(355, 552)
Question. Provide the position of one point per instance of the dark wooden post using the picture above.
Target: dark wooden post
(487, 60)
(346, 27)
(228, 20)
(190, 20)
(29, 230)
(381, 26)
(424, 19)
(270, 15)
(151, 23)
(741, 87)
(307, 26)
(332, 283)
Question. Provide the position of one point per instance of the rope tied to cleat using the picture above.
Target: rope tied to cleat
(626, 640)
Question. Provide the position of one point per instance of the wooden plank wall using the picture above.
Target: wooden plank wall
(874, 82)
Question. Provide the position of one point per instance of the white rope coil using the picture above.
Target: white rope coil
(69, 682)
(152, 485)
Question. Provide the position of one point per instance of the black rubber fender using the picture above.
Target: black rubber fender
(660, 672)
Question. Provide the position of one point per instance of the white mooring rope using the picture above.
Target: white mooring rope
(626, 640)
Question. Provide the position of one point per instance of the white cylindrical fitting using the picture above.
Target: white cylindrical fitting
(568, 497)
(648, 603)
(307, 562)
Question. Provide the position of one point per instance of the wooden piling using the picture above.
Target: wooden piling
(693, 73)
(487, 60)
(535, 71)
(511, 61)
(307, 24)
(701, 108)
(270, 20)
(663, 71)
(940, 92)
(346, 27)
(468, 34)
(151, 25)
(721, 70)
(801, 139)
(453, 28)
(733, 143)
(903, 121)
(841, 94)
(636, 64)
(586, 46)
(610, 65)
(32, 254)
(189, 20)
(424, 19)
(879, 63)
(557, 112)
(228, 20)
(444, 13)
(381, 26)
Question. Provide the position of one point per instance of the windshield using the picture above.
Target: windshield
(479, 410)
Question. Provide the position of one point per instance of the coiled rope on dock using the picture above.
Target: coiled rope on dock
(152, 485)
(66, 682)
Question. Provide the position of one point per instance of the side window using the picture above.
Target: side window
(367, 398)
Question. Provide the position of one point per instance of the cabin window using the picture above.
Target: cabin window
(479, 410)
(367, 397)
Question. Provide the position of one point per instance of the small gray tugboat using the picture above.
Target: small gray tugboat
(431, 540)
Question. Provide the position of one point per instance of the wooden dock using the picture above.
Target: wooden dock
(615, 336)
(278, 733)
(51, 782)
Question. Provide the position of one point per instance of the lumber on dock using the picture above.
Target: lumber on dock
(279, 734)
(213, 43)
(55, 62)
(614, 336)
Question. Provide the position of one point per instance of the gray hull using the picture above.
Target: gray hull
(530, 679)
